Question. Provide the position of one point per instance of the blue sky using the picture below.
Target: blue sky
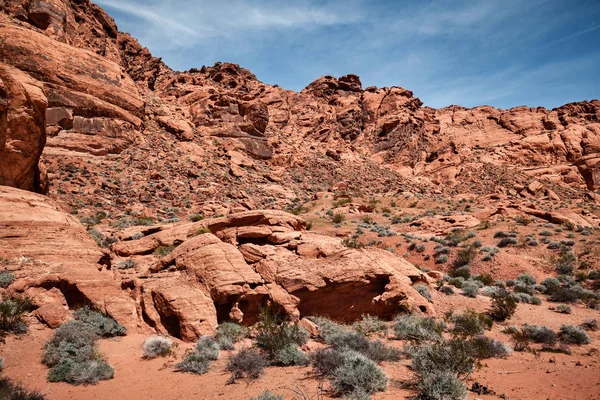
(503, 53)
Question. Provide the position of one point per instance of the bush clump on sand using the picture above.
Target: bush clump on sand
(276, 335)
(247, 363)
(357, 374)
(416, 328)
(503, 306)
(14, 391)
(6, 279)
(157, 346)
(72, 356)
(267, 396)
(368, 325)
(570, 334)
(229, 333)
(198, 360)
(101, 324)
(563, 309)
(470, 323)
(12, 312)
(470, 289)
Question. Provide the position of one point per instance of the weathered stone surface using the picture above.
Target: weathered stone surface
(33, 226)
(22, 129)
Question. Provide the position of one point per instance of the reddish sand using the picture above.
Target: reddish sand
(520, 376)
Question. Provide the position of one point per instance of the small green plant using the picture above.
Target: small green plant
(570, 334)
(503, 306)
(423, 290)
(6, 279)
(275, 333)
(229, 333)
(417, 329)
(164, 250)
(101, 324)
(12, 311)
(563, 309)
(193, 363)
(72, 356)
(368, 325)
(465, 256)
(338, 218)
(157, 346)
(248, 362)
(267, 396)
(14, 391)
(470, 289)
(356, 373)
(196, 217)
(126, 264)
(470, 323)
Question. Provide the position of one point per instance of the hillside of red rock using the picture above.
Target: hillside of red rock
(175, 201)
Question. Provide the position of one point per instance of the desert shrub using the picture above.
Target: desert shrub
(564, 295)
(379, 352)
(470, 289)
(156, 346)
(357, 373)
(539, 334)
(102, 325)
(461, 272)
(442, 259)
(540, 288)
(483, 347)
(369, 324)
(457, 282)
(503, 235)
(276, 334)
(6, 279)
(207, 348)
(551, 284)
(465, 256)
(503, 307)
(423, 290)
(470, 323)
(348, 340)
(416, 328)
(441, 386)
(248, 363)
(126, 264)
(536, 301)
(72, 356)
(229, 333)
(266, 395)
(570, 334)
(338, 218)
(12, 312)
(447, 290)
(87, 372)
(194, 363)
(164, 250)
(563, 309)
(453, 356)
(500, 283)
(507, 241)
(477, 243)
(291, 355)
(511, 283)
(522, 288)
(485, 279)
(327, 327)
(590, 324)
(564, 263)
(531, 241)
(325, 361)
(527, 279)
(14, 391)
(489, 291)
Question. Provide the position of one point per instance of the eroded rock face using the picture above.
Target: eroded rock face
(228, 268)
(22, 130)
(68, 263)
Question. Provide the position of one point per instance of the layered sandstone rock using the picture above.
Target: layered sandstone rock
(66, 260)
(257, 257)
